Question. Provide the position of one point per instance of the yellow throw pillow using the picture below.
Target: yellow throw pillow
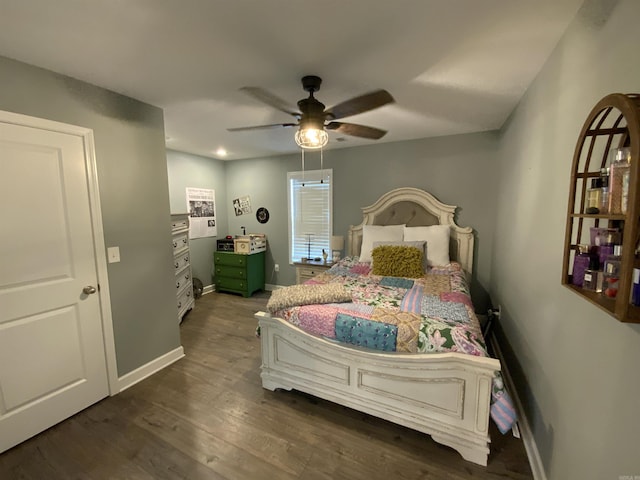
(397, 261)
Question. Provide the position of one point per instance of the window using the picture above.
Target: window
(310, 213)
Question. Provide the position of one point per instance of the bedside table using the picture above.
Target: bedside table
(307, 270)
(239, 273)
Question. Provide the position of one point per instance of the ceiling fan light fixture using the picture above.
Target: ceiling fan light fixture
(311, 138)
(313, 116)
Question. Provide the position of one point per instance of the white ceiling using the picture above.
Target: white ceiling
(453, 66)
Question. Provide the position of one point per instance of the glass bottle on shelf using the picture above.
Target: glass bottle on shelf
(607, 240)
(635, 291)
(604, 194)
(619, 179)
(594, 196)
(593, 276)
(612, 272)
(580, 264)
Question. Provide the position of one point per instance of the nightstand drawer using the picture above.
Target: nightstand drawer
(230, 259)
(233, 272)
(310, 271)
(232, 283)
(306, 271)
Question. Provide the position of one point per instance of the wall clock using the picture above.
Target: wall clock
(262, 214)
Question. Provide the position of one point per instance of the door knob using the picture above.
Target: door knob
(89, 290)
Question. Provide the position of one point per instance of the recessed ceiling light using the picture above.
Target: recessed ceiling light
(221, 152)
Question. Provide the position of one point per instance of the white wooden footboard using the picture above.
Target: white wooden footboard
(444, 395)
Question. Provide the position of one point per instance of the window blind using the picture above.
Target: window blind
(310, 213)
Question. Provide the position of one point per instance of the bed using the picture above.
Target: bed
(446, 395)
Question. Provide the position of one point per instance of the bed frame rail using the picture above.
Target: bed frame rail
(444, 395)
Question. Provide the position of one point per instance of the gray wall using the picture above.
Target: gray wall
(132, 174)
(576, 367)
(187, 170)
(458, 170)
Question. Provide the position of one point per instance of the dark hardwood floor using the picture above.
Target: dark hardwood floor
(207, 417)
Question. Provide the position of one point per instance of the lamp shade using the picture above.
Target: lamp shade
(337, 242)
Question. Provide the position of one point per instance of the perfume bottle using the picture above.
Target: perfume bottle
(580, 264)
(612, 273)
(594, 196)
(593, 276)
(607, 240)
(635, 291)
(604, 192)
(592, 280)
(620, 169)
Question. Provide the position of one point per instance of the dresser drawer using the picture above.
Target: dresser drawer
(180, 224)
(181, 261)
(231, 259)
(184, 299)
(183, 278)
(238, 284)
(232, 272)
(180, 242)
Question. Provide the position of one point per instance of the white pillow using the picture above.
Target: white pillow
(378, 233)
(437, 238)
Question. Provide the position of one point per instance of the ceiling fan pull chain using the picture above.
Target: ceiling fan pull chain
(321, 167)
(302, 150)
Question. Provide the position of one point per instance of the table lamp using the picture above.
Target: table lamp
(337, 244)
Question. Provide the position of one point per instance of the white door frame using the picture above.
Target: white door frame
(96, 221)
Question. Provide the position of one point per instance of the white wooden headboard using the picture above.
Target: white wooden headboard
(415, 207)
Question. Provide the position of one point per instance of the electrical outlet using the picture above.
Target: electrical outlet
(276, 267)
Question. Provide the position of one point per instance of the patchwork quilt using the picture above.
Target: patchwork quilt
(431, 314)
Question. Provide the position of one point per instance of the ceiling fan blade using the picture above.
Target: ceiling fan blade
(260, 127)
(270, 99)
(356, 130)
(360, 104)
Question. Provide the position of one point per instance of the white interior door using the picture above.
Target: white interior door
(52, 352)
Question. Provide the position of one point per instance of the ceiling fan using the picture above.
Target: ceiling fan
(314, 120)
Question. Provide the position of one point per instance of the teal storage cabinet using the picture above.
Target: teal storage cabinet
(239, 273)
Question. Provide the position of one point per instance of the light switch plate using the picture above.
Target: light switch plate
(113, 254)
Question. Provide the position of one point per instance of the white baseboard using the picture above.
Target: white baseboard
(269, 287)
(139, 374)
(523, 423)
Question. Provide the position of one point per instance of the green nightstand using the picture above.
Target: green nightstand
(239, 273)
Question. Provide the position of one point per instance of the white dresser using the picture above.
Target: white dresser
(182, 263)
